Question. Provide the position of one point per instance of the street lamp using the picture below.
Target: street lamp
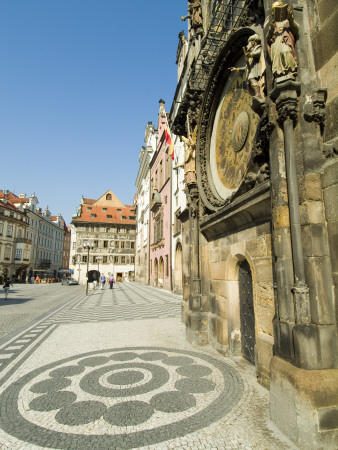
(88, 246)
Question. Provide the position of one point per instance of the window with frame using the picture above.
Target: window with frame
(122, 244)
(116, 259)
(117, 244)
(18, 253)
(8, 250)
(123, 259)
(96, 243)
(93, 216)
(94, 259)
(1, 227)
(158, 227)
(89, 208)
(84, 258)
(105, 244)
(109, 216)
(166, 265)
(9, 230)
(132, 244)
(108, 197)
(132, 259)
(105, 259)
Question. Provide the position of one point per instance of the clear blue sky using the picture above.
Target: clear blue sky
(79, 80)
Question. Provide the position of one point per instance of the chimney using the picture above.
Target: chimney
(22, 195)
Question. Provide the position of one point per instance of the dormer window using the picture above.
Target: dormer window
(108, 197)
(89, 208)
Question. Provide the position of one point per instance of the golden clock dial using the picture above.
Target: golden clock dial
(232, 135)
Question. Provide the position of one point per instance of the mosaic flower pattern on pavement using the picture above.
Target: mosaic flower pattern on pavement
(119, 398)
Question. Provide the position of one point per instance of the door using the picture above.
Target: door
(247, 312)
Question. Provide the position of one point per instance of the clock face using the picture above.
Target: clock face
(232, 135)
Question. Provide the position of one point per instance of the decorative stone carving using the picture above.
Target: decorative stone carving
(314, 107)
(195, 16)
(255, 66)
(189, 158)
(281, 38)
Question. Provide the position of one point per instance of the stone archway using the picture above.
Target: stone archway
(161, 272)
(178, 280)
(155, 272)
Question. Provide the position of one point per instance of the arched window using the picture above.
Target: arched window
(108, 197)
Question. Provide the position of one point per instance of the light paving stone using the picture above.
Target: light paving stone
(108, 376)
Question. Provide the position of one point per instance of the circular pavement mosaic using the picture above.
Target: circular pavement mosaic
(120, 398)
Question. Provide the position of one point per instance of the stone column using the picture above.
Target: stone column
(197, 318)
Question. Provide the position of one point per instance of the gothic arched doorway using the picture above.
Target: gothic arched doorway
(247, 312)
(178, 268)
(161, 272)
(155, 272)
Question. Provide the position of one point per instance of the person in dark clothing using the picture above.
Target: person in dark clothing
(7, 283)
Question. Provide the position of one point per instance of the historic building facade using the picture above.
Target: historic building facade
(142, 205)
(103, 238)
(45, 233)
(160, 207)
(15, 248)
(260, 171)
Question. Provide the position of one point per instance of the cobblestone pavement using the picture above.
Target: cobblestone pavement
(113, 370)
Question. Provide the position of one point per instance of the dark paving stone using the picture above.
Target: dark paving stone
(153, 356)
(94, 361)
(81, 413)
(195, 386)
(178, 360)
(173, 402)
(128, 413)
(54, 400)
(90, 383)
(67, 371)
(126, 377)
(126, 356)
(54, 384)
(194, 371)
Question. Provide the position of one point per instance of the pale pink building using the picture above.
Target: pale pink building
(160, 207)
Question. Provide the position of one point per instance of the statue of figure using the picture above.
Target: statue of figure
(195, 16)
(281, 40)
(189, 157)
(255, 66)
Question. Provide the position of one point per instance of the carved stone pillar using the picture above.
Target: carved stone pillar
(197, 318)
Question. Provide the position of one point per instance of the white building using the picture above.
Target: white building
(143, 205)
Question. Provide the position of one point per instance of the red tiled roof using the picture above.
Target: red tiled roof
(89, 201)
(10, 206)
(101, 216)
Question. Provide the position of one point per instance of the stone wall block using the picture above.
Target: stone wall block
(217, 270)
(263, 270)
(263, 229)
(264, 351)
(221, 306)
(218, 287)
(312, 187)
(330, 174)
(238, 249)
(319, 280)
(330, 197)
(282, 243)
(286, 344)
(264, 316)
(327, 336)
(314, 238)
(257, 247)
(312, 212)
(222, 331)
(280, 217)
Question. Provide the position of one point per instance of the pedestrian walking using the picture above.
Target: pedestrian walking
(111, 281)
(7, 283)
(103, 281)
